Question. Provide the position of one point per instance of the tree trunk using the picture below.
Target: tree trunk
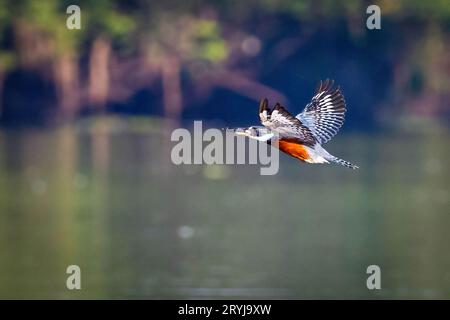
(99, 73)
(171, 85)
(67, 85)
(171, 82)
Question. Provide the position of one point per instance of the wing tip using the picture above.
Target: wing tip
(327, 85)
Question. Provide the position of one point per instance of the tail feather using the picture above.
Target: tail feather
(320, 155)
(344, 163)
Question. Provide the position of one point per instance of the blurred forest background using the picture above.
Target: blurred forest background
(204, 59)
(85, 170)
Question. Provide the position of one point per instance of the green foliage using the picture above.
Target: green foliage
(103, 17)
(7, 60)
(209, 44)
(438, 10)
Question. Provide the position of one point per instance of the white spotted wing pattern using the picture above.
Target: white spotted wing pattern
(325, 114)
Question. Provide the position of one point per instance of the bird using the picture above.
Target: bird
(302, 136)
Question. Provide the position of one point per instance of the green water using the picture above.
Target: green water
(105, 196)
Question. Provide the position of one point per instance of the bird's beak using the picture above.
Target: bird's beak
(240, 131)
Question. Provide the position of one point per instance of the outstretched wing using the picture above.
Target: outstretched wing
(325, 114)
(284, 124)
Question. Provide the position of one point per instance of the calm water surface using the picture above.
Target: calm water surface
(103, 195)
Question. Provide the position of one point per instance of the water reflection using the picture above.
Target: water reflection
(95, 194)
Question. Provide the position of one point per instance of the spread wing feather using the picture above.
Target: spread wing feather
(284, 124)
(325, 114)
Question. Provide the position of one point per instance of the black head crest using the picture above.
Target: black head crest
(263, 105)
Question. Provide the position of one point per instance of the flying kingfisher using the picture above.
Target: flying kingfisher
(302, 136)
